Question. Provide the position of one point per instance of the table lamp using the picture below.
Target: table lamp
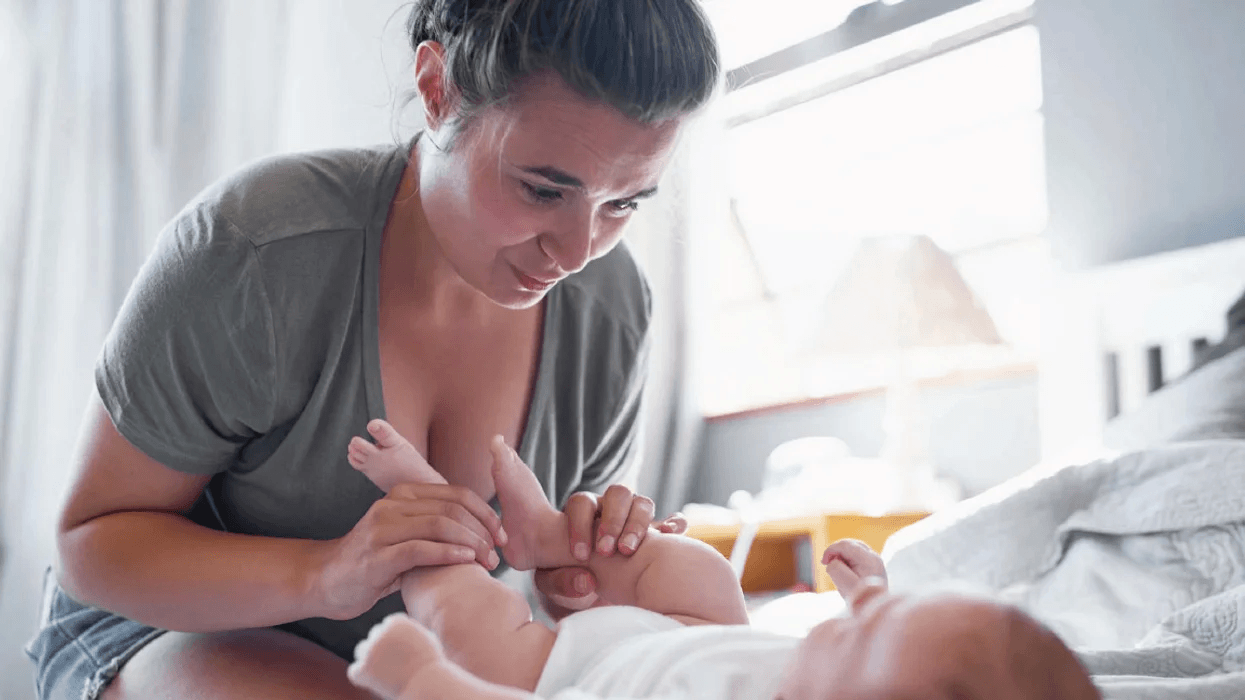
(897, 295)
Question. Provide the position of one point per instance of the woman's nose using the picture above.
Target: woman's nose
(571, 246)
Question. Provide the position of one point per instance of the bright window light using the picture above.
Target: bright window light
(951, 147)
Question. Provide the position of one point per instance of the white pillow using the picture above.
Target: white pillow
(1205, 404)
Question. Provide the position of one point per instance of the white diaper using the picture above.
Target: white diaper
(625, 652)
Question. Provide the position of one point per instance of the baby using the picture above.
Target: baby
(678, 626)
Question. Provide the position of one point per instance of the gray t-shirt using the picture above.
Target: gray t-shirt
(247, 348)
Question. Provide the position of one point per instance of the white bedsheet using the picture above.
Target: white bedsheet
(1138, 561)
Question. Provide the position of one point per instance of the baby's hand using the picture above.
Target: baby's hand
(849, 563)
(392, 656)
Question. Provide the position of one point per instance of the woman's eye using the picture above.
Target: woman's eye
(542, 194)
(624, 206)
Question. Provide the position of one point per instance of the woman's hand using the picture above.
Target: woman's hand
(413, 525)
(615, 522)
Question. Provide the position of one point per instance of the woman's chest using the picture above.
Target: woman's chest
(450, 395)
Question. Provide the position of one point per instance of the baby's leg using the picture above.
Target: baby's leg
(485, 627)
(400, 660)
(668, 574)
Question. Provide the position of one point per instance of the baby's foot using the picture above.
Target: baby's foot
(392, 656)
(525, 513)
(392, 460)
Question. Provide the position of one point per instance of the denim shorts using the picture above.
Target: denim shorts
(78, 649)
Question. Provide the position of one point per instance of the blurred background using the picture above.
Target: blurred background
(857, 244)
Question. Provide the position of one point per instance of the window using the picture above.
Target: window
(949, 145)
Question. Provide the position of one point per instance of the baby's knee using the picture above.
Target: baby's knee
(495, 606)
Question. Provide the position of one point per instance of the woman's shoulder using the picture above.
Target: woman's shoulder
(612, 289)
(290, 194)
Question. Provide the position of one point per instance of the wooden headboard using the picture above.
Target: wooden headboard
(1116, 333)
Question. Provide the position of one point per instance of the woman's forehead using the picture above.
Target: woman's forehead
(598, 147)
(551, 112)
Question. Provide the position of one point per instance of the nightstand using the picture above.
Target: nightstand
(785, 550)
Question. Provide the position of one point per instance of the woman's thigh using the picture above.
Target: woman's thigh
(263, 664)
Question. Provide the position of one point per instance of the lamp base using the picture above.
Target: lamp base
(906, 447)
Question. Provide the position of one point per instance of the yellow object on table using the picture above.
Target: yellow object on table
(773, 563)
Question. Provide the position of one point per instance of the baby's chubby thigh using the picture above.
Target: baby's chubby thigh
(487, 628)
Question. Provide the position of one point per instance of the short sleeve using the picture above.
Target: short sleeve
(616, 460)
(187, 371)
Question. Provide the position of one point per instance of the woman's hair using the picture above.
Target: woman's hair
(653, 60)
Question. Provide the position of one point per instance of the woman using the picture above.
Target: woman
(467, 285)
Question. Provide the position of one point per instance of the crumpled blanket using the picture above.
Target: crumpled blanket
(1136, 560)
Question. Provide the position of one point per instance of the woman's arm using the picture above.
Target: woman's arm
(125, 545)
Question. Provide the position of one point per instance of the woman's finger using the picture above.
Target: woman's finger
(404, 556)
(581, 512)
(614, 509)
(392, 512)
(569, 587)
(461, 495)
(438, 528)
(636, 528)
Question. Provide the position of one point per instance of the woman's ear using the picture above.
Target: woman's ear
(430, 74)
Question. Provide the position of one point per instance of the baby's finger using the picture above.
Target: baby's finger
(853, 552)
(844, 578)
(835, 550)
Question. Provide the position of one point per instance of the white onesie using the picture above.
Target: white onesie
(626, 652)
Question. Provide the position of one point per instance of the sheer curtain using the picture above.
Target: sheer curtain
(114, 114)
(84, 188)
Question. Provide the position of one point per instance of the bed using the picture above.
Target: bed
(1129, 539)
(1116, 334)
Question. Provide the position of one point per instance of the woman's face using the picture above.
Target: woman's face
(533, 190)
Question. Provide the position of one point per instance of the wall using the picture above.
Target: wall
(1143, 112)
(981, 433)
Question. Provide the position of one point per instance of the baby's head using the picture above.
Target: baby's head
(941, 646)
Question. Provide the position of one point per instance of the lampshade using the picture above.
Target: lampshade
(899, 293)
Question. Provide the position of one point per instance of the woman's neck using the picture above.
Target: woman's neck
(415, 274)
